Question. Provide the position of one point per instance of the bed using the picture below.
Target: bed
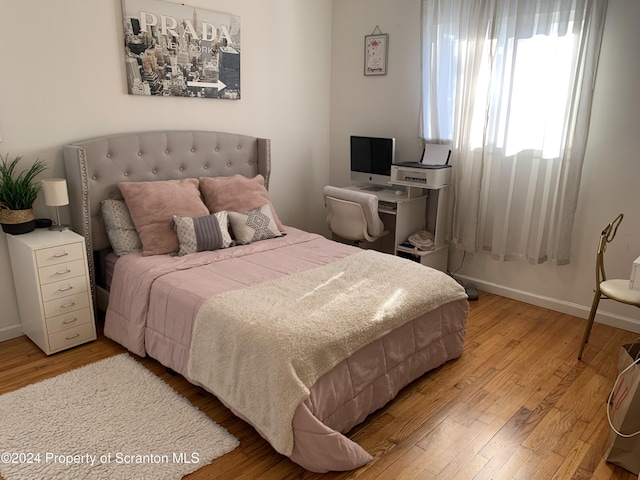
(300, 336)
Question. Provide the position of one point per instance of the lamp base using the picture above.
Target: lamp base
(60, 228)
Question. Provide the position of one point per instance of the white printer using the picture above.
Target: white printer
(432, 172)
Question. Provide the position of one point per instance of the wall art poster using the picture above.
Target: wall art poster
(375, 54)
(175, 50)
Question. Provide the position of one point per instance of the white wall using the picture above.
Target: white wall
(388, 106)
(63, 80)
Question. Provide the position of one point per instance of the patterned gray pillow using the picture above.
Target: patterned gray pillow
(197, 234)
(120, 229)
(254, 225)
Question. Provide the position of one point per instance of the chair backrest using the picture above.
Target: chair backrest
(606, 237)
(353, 215)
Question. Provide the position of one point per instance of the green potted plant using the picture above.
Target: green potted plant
(18, 191)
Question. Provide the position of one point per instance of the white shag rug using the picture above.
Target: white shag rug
(112, 419)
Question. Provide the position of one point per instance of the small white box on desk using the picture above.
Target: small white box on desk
(634, 284)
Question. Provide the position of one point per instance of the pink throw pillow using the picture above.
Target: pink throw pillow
(236, 194)
(152, 206)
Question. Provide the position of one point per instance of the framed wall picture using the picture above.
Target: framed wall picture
(375, 54)
(176, 50)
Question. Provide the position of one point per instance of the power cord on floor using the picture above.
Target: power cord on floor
(453, 275)
(470, 288)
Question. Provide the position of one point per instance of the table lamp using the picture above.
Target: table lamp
(55, 195)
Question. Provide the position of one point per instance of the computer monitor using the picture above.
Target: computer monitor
(371, 159)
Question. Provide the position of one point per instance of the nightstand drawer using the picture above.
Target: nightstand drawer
(68, 320)
(71, 337)
(55, 255)
(66, 304)
(63, 288)
(62, 271)
(53, 288)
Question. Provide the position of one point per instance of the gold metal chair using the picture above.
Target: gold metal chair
(615, 289)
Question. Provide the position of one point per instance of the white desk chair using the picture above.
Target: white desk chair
(353, 215)
(615, 289)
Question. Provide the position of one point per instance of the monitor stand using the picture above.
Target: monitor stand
(372, 188)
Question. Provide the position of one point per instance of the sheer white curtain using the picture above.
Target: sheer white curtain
(509, 84)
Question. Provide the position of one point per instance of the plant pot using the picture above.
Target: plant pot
(17, 222)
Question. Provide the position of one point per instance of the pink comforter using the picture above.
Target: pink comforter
(154, 301)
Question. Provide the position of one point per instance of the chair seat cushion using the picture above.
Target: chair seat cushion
(618, 289)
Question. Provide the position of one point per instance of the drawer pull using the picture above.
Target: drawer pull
(69, 320)
(65, 289)
(60, 254)
(71, 337)
(63, 271)
(67, 305)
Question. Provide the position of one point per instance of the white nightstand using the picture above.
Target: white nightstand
(51, 278)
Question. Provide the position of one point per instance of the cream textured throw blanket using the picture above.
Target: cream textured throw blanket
(259, 349)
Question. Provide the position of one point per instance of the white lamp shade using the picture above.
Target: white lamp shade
(55, 192)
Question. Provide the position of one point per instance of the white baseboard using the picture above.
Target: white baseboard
(581, 311)
(7, 333)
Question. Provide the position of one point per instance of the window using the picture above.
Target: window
(508, 83)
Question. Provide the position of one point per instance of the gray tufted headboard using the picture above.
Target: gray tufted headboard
(95, 167)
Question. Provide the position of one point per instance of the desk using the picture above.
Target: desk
(400, 214)
(403, 215)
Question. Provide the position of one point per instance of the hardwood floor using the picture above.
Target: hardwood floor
(516, 405)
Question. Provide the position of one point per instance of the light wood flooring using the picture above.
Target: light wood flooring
(516, 405)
